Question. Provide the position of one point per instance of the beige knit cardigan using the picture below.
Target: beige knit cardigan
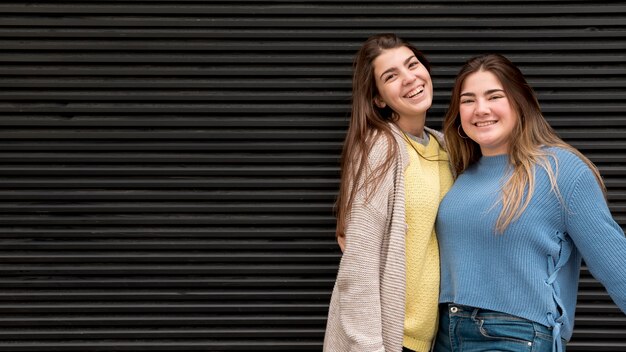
(366, 311)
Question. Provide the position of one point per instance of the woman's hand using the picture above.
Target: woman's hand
(341, 241)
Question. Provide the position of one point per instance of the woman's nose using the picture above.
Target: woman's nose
(408, 77)
(482, 107)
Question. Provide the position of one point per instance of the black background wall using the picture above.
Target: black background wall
(168, 168)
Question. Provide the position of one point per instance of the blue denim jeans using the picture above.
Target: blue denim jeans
(470, 329)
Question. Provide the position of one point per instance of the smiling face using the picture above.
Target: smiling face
(487, 116)
(403, 84)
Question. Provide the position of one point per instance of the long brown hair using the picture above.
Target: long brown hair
(368, 122)
(527, 141)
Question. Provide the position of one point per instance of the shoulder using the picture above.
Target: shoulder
(573, 173)
(382, 145)
(567, 162)
(379, 141)
(564, 155)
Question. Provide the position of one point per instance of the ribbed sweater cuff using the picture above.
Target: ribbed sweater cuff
(415, 344)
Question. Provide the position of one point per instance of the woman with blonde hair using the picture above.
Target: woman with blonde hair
(394, 172)
(525, 208)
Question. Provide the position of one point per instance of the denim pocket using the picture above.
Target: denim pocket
(509, 330)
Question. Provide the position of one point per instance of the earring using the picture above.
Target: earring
(458, 130)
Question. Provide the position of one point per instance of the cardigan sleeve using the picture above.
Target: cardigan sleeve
(597, 236)
(358, 280)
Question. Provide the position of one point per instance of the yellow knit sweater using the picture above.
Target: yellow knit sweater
(426, 183)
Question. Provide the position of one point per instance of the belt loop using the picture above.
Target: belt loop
(474, 313)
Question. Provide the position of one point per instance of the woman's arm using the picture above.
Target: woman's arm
(358, 280)
(597, 236)
(358, 300)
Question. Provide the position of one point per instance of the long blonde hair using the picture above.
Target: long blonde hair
(527, 141)
(368, 122)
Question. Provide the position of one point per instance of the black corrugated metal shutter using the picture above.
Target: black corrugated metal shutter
(168, 168)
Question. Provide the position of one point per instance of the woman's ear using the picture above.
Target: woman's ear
(379, 102)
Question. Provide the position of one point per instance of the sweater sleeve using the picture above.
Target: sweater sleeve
(358, 280)
(597, 236)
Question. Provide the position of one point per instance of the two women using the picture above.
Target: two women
(525, 209)
(394, 174)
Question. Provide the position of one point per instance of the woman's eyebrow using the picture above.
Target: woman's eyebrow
(406, 62)
(490, 91)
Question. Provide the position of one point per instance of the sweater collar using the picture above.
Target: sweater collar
(399, 136)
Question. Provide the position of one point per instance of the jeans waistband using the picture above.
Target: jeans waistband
(460, 310)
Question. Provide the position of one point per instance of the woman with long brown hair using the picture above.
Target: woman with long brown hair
(525, 208)
(394, 172)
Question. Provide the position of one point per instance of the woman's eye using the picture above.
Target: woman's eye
(496, 97)
(466, 101)
(388, 77)
(413, 64)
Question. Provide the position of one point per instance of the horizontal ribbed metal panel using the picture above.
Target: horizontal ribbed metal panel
(169, 168)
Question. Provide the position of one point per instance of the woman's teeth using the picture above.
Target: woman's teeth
(415, 92)
(484, 123)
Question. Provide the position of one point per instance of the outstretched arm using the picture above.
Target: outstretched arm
(597, 236)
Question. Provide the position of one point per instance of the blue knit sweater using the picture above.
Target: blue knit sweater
(532, 269)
